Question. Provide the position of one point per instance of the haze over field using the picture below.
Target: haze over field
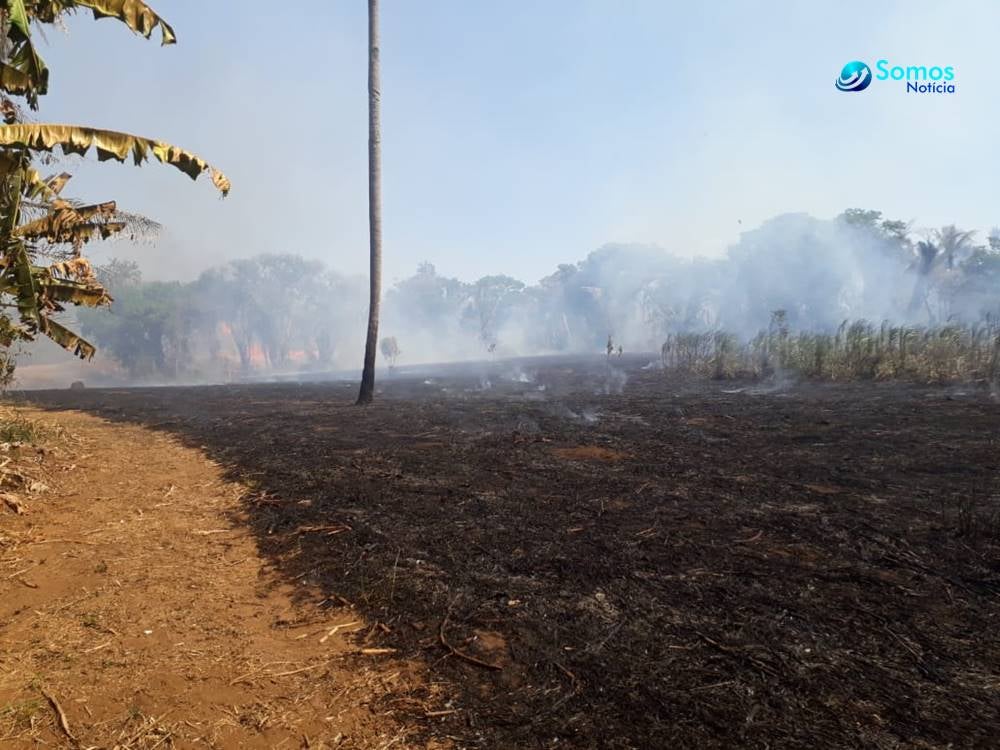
(281, 314)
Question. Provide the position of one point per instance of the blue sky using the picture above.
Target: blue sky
(521, 135)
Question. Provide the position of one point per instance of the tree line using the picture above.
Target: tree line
(282, 312)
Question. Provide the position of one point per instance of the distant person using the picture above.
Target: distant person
(620, 351)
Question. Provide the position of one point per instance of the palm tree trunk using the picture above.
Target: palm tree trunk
(367, 392)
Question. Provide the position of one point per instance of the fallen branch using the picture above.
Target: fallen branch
(335, 628)
(297, 671)
(63, 721)
(451, 649)
(21, 572)
(330, 529)
(572, 677)
(63, 541)
(739, 654)
(257, 671)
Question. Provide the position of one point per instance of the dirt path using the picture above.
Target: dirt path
(134, 601)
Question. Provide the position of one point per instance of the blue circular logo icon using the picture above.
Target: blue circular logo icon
(856, 76)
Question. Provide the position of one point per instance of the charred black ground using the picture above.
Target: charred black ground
(649, 562)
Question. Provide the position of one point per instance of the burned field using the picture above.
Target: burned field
(585, 562)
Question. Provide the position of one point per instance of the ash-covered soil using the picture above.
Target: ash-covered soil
(593, 556)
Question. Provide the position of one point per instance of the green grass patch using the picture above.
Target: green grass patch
(15, 428)
(18, 715)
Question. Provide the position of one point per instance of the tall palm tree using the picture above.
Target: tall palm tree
(927, 256)
(946, 247)
(954, 243)
(367, 392)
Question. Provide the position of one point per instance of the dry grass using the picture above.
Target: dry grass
(24, 444)
(857, 351)
(15, 428)
(21, 718)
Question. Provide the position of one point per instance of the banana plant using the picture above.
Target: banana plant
(35, 221)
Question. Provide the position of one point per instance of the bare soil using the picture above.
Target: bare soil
(552, 563)
(134, 601)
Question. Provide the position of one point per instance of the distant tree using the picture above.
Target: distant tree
(278, 302)
(925, 262)
(994, 239)
(872, 222)
(390, 350)
(955, 244)
(936, 261)
(118, 274)
(571, 308)
(284, 286)
(230, 297)
(149, 329)
(977, 292)
(490, 295)
(429, 301)
(898, 234)
(331, 310)
(861, 217)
